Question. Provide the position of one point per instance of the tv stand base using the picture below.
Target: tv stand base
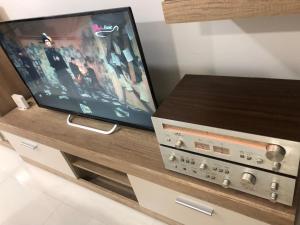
(70, 123)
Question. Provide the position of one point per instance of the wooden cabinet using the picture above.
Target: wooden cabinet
(104, 161)
(184, 208)
(10, 83)
(39, 153)
(4, 142)
(180, 11)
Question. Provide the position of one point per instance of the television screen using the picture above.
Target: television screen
(88, 64)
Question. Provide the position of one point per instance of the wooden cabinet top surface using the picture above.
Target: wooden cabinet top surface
(135, 152)
(260, 106)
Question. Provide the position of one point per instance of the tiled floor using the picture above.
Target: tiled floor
(31, 196)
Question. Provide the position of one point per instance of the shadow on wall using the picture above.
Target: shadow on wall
(159, 50)
(256, 25)
(195, 50)
(284, 44)
(275, 42)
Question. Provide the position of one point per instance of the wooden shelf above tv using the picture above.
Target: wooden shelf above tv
(181, 11)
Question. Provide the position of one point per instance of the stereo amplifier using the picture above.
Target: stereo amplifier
(274, 187)
(246, 127)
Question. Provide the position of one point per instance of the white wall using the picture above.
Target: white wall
(258, 47)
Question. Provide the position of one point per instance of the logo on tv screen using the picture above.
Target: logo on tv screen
(103, 31)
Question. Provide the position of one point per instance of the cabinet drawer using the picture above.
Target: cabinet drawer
(183, 208)
(42, 154)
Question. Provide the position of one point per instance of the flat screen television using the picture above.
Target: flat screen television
(89, 64)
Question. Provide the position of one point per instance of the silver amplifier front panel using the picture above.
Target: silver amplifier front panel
(267, 185)
(259, 151)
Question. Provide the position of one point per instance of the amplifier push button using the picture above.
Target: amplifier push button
(273, 196)
(259, 160)
(274, 186)
(276, 166)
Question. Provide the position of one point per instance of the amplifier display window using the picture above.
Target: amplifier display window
(221, 150)
(202, 146)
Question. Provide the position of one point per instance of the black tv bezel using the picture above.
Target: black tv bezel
(88, 13)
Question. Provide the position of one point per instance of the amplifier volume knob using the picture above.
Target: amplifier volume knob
(226, 183)
(275, 153)
(179, 144)
(202, 166)
(248, 179)
(172, 157)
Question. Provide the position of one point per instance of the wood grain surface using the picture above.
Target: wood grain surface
(108, 173)
(10, 83)
(134, 152)
(180, 11)
(268, 107)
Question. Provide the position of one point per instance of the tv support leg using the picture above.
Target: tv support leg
(70, 123)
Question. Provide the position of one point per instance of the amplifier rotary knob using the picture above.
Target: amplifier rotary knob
(203, 166)
(248, 179)
(179, 144)
(172, 157)
(226, 183)
(275, 153)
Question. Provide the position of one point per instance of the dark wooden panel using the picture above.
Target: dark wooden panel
(114, 187)
(268, 107)
(10, 83)
(180, 11)
(108, 173)
(134, 152)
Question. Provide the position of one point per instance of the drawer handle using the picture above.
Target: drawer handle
(192, 205)
(30, 146)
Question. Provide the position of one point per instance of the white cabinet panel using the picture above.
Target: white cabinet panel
(183, 208)
(42, 154)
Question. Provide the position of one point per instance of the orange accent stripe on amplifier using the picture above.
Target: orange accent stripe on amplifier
(217, 137)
